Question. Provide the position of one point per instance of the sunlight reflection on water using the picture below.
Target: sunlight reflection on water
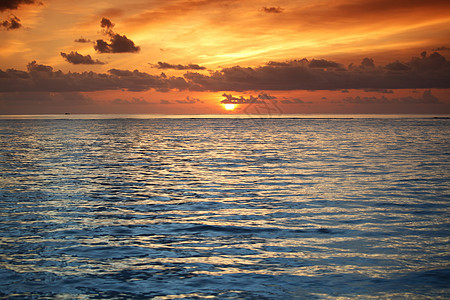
(225, 208)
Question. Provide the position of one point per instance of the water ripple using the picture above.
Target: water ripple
(224, 208)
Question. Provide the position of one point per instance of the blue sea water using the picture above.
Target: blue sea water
(195, 208)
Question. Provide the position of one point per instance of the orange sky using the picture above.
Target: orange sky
(193, 56)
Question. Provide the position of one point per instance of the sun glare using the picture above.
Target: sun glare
(229, 106)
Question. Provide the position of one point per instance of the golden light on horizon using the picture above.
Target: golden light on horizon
(229, 106)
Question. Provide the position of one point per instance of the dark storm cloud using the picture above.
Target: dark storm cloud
(164, 65)
(426, 98)
(117, 43)
(12, 23)
(82, 40)
(431, 71)
(14, 4)
(273, 10)
(78, 59)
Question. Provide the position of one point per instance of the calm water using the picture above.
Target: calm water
(225, 208)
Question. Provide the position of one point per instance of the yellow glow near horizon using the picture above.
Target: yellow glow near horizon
(229, 106)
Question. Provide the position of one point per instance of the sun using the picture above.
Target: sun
(229, 106)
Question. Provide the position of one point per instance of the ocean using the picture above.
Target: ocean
(123, 207)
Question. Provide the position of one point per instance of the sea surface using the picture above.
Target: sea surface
(224, 208)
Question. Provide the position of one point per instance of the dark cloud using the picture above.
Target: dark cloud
(164, 65)
(42, 78)
(140, 81)
(82, 40)
(34, 67)
(125, 73)
(426, 98)
(263, 103)
(367, 63)
(264, 96)
(117, 43)
(434, 62)
(106, 23)
(14, 4)
(230, 99)
(302, 62)
(322, 63)
(11, 73)
(425, 72)
(78, 59)
(12, 23)
(273, 10)
(397, 66)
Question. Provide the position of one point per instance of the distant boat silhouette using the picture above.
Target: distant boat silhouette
(67, 113)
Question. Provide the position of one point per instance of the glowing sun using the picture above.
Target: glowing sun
(229, 106)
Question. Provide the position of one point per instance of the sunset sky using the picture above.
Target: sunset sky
(198, 57)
